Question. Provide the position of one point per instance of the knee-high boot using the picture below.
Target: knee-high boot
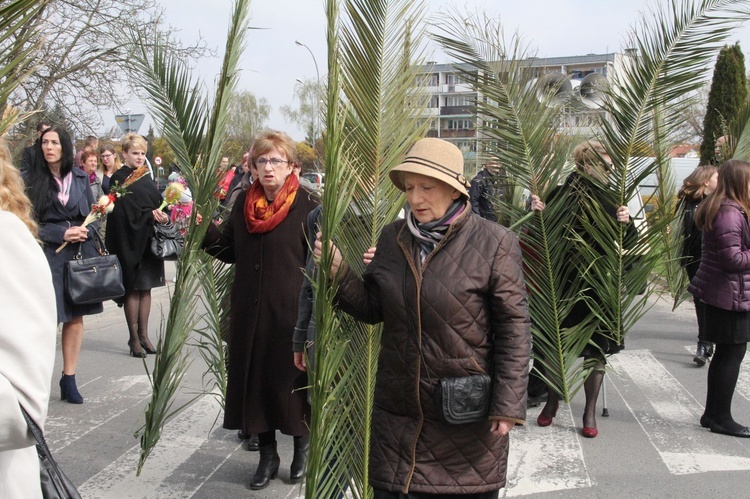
(299, 462)
(268, 467)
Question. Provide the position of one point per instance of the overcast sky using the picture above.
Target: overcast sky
(272, 62)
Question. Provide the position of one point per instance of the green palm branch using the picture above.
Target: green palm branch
(194, 131)
(674, 43)
(372, 119)
(519, 129)
(20, 43)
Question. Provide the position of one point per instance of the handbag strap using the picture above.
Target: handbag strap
(36, 431)
(101, 248)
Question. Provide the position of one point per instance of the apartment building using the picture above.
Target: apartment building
(451, 112)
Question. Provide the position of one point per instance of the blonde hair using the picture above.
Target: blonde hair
(12, 194)
(589, 153)
(134, 141)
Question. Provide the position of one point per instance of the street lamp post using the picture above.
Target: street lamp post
(317, 97)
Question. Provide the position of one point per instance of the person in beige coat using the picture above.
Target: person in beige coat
(27, 336)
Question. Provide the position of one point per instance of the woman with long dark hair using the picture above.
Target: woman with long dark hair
(722, 283)
(699, 184)
(61, 197)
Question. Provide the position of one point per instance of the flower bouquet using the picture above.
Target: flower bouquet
(99, 210)
(172, 194)
(106, 203)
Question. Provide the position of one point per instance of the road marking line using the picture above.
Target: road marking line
(546, 459)
(180, 439)
(669, 416)
(61, 431)
(743, 380)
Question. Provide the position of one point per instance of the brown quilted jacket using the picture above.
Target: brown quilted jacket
(464, 304)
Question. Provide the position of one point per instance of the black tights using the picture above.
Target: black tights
(722, 379)
(137, 309)
(591, 388)
(269, 437)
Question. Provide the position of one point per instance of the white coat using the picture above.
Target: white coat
(28, 328)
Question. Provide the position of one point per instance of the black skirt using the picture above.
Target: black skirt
(150, 273)
(725, 326)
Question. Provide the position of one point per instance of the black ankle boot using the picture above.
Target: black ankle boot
(702, 353)
(69, 390)
(301, 446)
(268, 467)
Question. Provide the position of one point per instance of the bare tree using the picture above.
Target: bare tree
(246, 116)
(81, 65)
(307, 113)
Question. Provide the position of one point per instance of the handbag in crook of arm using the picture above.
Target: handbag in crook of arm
(166, 242)
(93, 280)
(54, 483)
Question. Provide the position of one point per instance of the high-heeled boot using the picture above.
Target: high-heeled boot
(299, 462)
(268, 467)
(69, 390)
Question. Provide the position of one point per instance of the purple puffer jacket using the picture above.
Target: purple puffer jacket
(723, 278)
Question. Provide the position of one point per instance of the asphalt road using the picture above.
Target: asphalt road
(650, 445)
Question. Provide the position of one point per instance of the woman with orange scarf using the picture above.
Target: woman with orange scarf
(264, 237)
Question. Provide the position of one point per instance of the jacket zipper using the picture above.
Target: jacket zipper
(418, 279)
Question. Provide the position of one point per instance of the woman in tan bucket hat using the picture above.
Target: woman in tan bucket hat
(449, 288)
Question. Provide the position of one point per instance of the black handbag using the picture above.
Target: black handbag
(54, 483)
(166, 242)
(93, 280)
(463, 400)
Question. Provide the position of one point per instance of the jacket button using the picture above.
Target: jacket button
(257, 267)
(255, 301)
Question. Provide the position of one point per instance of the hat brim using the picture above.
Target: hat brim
(453, 179)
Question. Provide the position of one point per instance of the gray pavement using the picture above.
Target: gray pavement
(650, 445)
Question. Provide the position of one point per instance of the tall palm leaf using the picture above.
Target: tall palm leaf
(674, 42)
(519, 129)
(20, 44)
(372, 119)
(194, 131)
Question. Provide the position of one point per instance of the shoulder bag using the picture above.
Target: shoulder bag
(54, 483)
(166, 242)
(93, 280)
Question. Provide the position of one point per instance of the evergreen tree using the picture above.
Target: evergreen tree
(725, 99)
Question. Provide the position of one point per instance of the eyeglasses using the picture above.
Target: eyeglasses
(272, 161)
(106, 156)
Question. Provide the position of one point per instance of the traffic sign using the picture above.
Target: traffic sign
(129, 122)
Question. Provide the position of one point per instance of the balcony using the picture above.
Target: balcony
(455, 111)
(456, 134)
(432, 133)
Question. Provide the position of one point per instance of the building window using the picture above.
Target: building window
(434, 101)
(426, 80)
(458, 101)
(460, 124)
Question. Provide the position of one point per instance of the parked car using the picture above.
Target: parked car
(316, 179)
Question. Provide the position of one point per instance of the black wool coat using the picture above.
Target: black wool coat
(130, 226)
(263, 387)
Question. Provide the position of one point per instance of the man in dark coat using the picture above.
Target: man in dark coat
(487, 189)
(29, 153)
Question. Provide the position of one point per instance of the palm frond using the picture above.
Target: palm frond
(674, 43)
(519, 129)
(21, 43)
(195, 134)
(372, 119)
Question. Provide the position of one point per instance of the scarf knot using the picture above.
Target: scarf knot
(262, 216)
(429, 234)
